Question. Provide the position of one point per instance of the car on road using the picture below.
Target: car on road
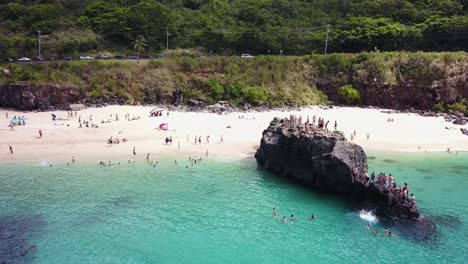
(119, 57)
(24, 59)
(86, 58)
(102, 57)
(9, 60)
(146, 57)
(37, 59)
(68, 58)
(245, 55)
(132, 57)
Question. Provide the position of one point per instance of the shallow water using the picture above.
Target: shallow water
(220, 212)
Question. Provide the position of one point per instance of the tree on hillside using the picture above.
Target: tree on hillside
(139, 46)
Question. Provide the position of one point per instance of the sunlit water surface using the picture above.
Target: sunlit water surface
(220, 211)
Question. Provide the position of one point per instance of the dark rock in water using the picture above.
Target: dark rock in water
(422, 230)
(16, 234)
(460, 121)
(325, 161)
(449, 221)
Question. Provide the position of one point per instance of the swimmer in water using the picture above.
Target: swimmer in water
(386, 230)
(274, 213)
(293, 218)
(368, 226)
(312, 217)
(284, 220)
(374, 232)
(389, 233)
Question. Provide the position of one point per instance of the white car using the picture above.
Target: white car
(245, 55)
(86, 58)
(24, 59)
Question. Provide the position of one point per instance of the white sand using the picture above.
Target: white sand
(408, 132)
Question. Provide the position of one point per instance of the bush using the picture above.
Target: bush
(349, 94)
(216, 89)
(252, 95)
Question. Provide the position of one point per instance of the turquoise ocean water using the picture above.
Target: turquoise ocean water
(220, 212)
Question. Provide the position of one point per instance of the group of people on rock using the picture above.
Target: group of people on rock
(387, 183)
(319, 122)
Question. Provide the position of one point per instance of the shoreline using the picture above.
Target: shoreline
(241, 132)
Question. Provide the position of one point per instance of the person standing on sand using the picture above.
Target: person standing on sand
(6, 115)
(40, 133)
(134, 152)
(178, 145)
(336, 125)
(11, 149)
(222, 140)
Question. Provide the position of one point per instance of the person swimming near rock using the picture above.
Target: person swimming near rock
(368, 226)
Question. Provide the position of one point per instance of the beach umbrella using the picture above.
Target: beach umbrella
(164, 126)
(15, 121)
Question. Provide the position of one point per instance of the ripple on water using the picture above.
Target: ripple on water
(423, 170)
(389, 161)
(371, 157)
(16, 234)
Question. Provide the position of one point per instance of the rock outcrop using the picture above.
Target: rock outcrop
(327, 162)
(28, 96)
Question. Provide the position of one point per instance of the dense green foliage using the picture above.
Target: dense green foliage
(385, 79)
(292, 27)
(349, 94)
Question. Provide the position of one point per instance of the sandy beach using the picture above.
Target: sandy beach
(241, 132)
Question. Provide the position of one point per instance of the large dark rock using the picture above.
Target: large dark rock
(27, 96)
(325, 161)
(464, 131)
(460, 121)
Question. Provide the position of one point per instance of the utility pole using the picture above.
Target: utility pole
(167, 38)
(326, 41)
(39, 41)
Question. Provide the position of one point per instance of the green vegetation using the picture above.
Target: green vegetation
(386, 79)
(293, 27)
(349, 94)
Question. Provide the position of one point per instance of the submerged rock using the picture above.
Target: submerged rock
(325, 161)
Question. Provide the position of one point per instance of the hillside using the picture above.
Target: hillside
(433, 81)
(291, 27)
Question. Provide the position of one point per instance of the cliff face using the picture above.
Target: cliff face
(27, 96)
(325, 161)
